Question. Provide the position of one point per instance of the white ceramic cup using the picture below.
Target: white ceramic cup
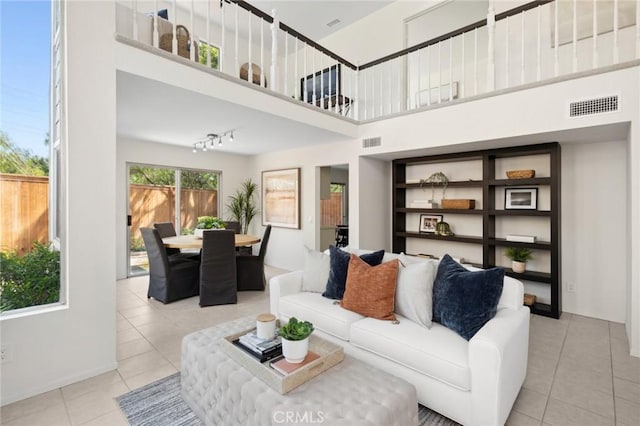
(266, 326)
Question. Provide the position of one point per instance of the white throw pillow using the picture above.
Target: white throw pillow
(316, 271)
(414, 290)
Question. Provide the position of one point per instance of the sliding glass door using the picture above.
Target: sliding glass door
(164, 194)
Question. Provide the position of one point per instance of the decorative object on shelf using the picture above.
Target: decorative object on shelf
(281, 198)
(521, 199)
(443, 228)
(206, 223)
(519, 257)
(521, 174)
(521, 238)
(242, 205)
(421, 204)
(266, 326)
(295, 339)
(437, 178)
(529, 299)
(183, 39)
(256, 72)
(428, 222)
(458, 203)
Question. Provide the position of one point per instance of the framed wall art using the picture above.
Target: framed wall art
(521, 199)
(281, 198)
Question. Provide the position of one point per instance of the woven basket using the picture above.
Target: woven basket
(520, 174)
(458, 204)
(184, 42)
(529, 299)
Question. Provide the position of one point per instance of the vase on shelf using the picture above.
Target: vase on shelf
(518, 267)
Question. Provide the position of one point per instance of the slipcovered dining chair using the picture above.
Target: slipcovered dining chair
(166, 229)
(251, 268)
(168, 281)
(218, 285)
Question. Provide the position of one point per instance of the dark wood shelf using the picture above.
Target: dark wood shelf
(429, 236)
(488, 160)
(520, 182)
(451, 184)
(438, 211)
(542, 245)
(519, 213)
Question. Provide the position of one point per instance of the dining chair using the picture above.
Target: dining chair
(168, 281)
(233, 225)
(218, 283)
(250, 269)
(166, 229)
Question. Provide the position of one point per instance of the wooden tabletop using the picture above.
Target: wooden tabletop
(189, 241)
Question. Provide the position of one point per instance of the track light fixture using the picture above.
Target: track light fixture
(211, 138)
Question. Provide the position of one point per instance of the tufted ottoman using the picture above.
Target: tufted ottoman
(221, 392)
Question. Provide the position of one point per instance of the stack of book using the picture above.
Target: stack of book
(285, 368)
(262, 349)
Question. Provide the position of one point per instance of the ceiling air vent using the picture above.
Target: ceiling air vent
(334, 22)
(594, 106)
(371, 142)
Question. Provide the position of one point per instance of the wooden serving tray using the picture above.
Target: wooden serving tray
(330, 355)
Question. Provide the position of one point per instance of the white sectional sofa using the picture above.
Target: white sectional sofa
(473, 382)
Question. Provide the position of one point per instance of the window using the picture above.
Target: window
(203, 48)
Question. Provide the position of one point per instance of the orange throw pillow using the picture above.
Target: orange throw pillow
(371, 290)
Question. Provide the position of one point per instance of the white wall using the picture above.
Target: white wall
(55, 348)
(234, 170)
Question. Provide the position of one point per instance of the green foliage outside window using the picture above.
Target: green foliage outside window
(166, 177)
(20, 161)
(202, 54)
(29, 280)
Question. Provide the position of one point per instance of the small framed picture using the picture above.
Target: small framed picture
(428, 222)
(521, 199)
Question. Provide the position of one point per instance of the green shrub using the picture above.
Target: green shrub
(31, 279)
(136, 244)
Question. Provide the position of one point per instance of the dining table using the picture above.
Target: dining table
(193, 242)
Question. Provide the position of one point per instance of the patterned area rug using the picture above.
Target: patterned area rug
(160, 404)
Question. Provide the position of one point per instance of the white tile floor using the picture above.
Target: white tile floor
(580, 371)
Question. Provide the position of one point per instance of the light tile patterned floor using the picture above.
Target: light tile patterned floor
(580, 371)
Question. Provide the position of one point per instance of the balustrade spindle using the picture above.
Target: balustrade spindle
(262, 70)
(475, 61)
(322, 82)
(355, 98)
(274, 50)
(539, 45)
(416, 99)
(250, 45)
(156, 38)
(295, 73)
(208, 23)
(339, 82)
(314, 96)
(237, 57)
(439, 72)
(192, 49)
(390, 66)
(365, 97)
(616, 47)
(305, 95)
(506, 52)
(381, 80)
(451, 69)
(574, 36)
(556, 44)
(594, 46)
(286, 63)
(428, 48)
(462, 70)
(134, 11)
(522, 35)
(491, 60)
(174, 44)
(221, 52)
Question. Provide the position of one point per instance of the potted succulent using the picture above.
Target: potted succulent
(295, 339)
(208, 222)
(519, 257)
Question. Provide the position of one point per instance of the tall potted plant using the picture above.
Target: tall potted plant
(242, 205)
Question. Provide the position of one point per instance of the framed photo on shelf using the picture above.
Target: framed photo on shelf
(428, 222)
(281, 198)
(521, 199)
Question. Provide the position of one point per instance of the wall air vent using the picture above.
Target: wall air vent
(594, 106)
(371, 142)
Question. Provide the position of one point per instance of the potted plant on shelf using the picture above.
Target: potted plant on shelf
(295, 339)
(437, 178)
(519, 257)
(207, 222)
(242, 205)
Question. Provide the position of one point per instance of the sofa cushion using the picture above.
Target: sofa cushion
(465, 300)
(325, 314)
(338, 271)
(370, 290)
(414, 290)
(436, 352)
(316, 271)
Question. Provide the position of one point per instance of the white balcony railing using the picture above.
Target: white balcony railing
(532, 43)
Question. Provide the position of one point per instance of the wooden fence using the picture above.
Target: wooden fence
(331, 210)
(24, 211)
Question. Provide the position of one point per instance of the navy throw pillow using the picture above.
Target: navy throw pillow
(465, 300)
(338, 266)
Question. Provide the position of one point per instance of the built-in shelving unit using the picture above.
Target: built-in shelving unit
(487, 163)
